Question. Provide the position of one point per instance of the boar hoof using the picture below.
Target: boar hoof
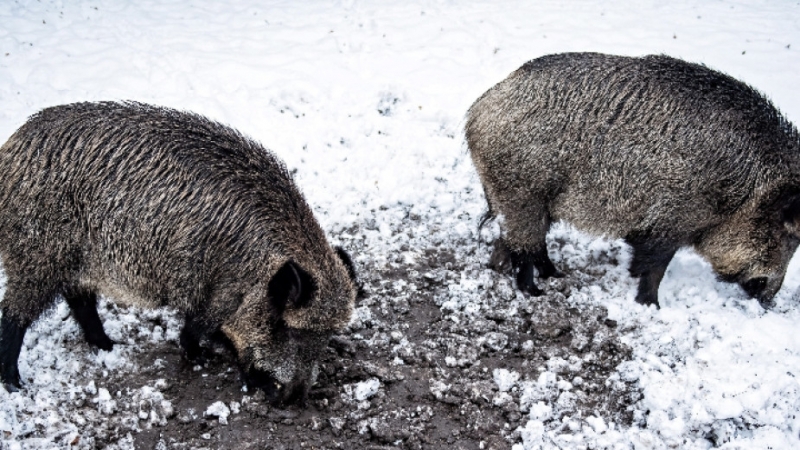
(257, 379)
(297, 394)
(532, 290)
(11, 381)
(554, 274)
(525, 284)
(647, 300)
(277, 394)
(101, 342)
(189, 341)
(195, 356)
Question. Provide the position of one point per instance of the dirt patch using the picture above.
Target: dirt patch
(441, 353)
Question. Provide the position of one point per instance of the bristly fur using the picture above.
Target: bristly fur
(655, 150)
(154, 206)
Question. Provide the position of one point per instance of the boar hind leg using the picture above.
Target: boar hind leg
(12, 333)
(649, 264)
(22, 304)
(83, 304)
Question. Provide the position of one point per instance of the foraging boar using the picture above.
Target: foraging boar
(156, 207)
(654, 150)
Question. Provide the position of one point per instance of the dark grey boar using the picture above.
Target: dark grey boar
(155, 207)
(654, 150)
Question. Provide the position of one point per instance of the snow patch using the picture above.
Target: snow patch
(219, 410)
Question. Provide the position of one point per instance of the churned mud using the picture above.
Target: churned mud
(441, 353)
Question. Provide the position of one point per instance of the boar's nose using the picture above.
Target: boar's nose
(757, 288)
(275, 392)
(258, 379)
(294, 393)
(285, 395)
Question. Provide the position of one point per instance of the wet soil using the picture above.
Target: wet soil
(442, 353)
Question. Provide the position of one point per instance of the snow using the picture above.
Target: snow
(219, 410)
(505, 379)
(366, 101)
(366, 389)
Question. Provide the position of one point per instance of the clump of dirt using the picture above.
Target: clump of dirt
(441, 353)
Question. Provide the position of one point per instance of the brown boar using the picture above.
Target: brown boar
(660, 152)
(156, 207)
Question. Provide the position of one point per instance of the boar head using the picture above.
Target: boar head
(753, 248)
(282, 327)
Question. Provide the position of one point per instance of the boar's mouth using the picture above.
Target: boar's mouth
(276, 393)
(766, 303)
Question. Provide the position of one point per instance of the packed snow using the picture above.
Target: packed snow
(219, 410)
(366, 102)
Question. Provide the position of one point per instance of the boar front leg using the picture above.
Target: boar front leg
(196, 328)
(523, 264)
(650, 261)
(544, 265)
(12, 332)
(83, 304)
(23, 303)
(189, 339)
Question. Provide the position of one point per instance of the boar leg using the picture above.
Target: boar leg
(502, 256)
(11, 335)
(83, 304)
(23, 303)
(526, 230)
(524, 263)
(545, 265)
(500, 261)
(649, 264)
(192, 332)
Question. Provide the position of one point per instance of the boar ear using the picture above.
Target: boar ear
(291, 286)
(790, 215)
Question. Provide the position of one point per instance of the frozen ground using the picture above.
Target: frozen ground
(366, 101)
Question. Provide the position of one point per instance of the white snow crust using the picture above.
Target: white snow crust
(366, 100)
(219, 410)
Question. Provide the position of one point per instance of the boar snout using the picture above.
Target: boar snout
(758, 286)
(762, 289)
(277, 393)
(755, 286)
(286, 368)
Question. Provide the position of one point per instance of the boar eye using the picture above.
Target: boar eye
(755, 286)
(291, 286)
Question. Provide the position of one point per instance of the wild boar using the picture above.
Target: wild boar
(155, 207)
(654, 150)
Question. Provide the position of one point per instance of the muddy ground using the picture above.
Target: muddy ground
(416, 369)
